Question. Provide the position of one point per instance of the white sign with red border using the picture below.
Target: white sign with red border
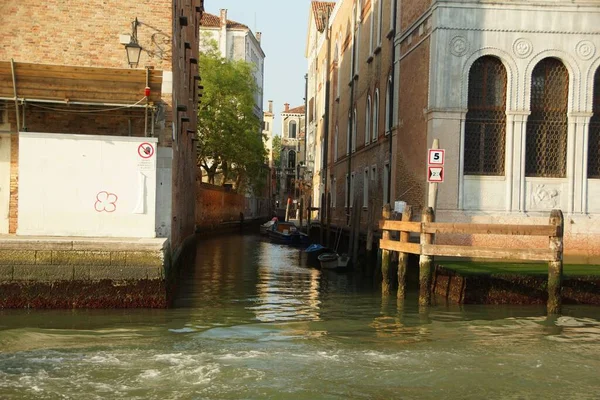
(437, 156)
(435, 174)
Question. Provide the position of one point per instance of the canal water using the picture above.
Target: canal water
(252, 322)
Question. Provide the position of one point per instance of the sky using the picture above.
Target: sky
(283, 24)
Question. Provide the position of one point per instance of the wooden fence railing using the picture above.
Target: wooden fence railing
(427, 249)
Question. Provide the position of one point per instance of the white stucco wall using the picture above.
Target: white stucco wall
(83, 185)
(4, 182)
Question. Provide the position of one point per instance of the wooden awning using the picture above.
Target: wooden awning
(63, 83)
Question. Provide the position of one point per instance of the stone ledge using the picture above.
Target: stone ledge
(12, 242)
(58, 273)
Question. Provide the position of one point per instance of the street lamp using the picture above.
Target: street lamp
(133, 48)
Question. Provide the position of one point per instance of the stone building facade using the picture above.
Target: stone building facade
(508, 88)
(292, 152)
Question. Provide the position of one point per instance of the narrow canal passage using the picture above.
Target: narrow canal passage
(251, 322)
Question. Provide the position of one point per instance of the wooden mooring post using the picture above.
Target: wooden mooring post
(385, 255)
(555, 267)
(403, 257)
(301, 212)
(426, 261)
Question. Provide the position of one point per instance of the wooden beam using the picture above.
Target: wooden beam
(490, 229)
(404, 247)
(489, 252)
(405, 226)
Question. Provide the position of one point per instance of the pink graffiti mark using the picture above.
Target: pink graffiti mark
(106, 202)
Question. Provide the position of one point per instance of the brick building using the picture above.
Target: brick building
(509, 88)
(67, 67)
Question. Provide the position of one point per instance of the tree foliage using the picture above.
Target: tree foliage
(277, 151)
(229, 139)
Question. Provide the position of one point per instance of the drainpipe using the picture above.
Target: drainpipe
(146, 108)
(325, 154)
(305, 113)
(351, 122)
(12, 68)
(391, 112)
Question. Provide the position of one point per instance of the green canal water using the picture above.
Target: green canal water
(252, 323)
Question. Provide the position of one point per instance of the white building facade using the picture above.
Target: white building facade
(513, 98)
(237, 42)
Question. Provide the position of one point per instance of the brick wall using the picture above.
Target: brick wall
(74, 32)
(412, 132)
(215, 205)
(374, 68)
(185, 93)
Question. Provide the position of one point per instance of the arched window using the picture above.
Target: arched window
(368, 121)
(292, 130)
(546, 149)
(291, 159)
(485, 126)
(354, 123)
(594, 139)
(376, 115)
(389, 101)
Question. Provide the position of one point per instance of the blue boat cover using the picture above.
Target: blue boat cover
(313, 247)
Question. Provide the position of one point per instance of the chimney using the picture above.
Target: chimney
(271, 106)
(258, 36)
(223, 17)
(287, 107)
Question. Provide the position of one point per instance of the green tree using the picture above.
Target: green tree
(277, 151)
(229, 139)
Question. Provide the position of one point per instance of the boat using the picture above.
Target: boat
(312, 253)
(287, 233)
(328, 260)
(334, 260)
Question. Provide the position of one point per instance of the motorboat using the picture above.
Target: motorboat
(287, 233)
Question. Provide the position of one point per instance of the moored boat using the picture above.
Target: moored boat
(287, 233)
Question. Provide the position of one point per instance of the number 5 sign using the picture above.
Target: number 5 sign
(436, 156)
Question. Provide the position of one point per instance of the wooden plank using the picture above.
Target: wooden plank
(131, 88)
(406, 226)
(403, 247)
(53, 69)
(99, 97)
(489, 252)
(490, 229)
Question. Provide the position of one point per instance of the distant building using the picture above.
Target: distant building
(292, 150)
(316, 54)
(237, 42)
